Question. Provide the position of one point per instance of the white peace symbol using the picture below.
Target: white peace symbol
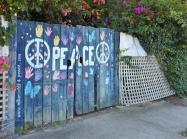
(102, 58)
(38, 55)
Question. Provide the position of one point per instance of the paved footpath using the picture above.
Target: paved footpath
(160, 120)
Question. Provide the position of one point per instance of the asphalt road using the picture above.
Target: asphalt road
(160, 120)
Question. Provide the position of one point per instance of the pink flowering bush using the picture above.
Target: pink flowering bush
(161, 26)
(4, 64)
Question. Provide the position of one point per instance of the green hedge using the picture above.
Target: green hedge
(160, 25)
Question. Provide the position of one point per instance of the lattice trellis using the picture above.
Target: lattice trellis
(3, 98)
(142, 81)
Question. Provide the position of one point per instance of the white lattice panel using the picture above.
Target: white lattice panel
(142, 81)
(3, 98)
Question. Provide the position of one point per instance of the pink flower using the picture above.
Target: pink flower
(142, 5)
(66, 12)
(1, 69)
(14, 88)
(4, 60)
(138, 10)
(5, 86)
(99, 2)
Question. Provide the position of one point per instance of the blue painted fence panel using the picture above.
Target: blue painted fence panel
(70, 74)
(39, 59)
(29, 35)
(93, 41)
(63, 71)
(20, 60)
(79, 72)
(47, 75)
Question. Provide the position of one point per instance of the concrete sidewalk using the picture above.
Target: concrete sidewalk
(160, 120)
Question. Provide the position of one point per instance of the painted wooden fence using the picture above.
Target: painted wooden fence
(63, 72)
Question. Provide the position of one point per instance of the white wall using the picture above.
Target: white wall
(131, 45)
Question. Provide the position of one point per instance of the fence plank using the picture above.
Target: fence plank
(79, 72)
(47, 75)
(38, 74)
(116, 68)
(29, 50)
(56, 73)
(63, 75)
(92, 42)
(97, 73)
(70, 86)
(103, 69)
(85, 76)
(110, 76)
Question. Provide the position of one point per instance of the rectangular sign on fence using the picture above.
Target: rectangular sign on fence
(63, 71)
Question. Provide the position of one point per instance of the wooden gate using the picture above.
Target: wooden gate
(63, 71)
